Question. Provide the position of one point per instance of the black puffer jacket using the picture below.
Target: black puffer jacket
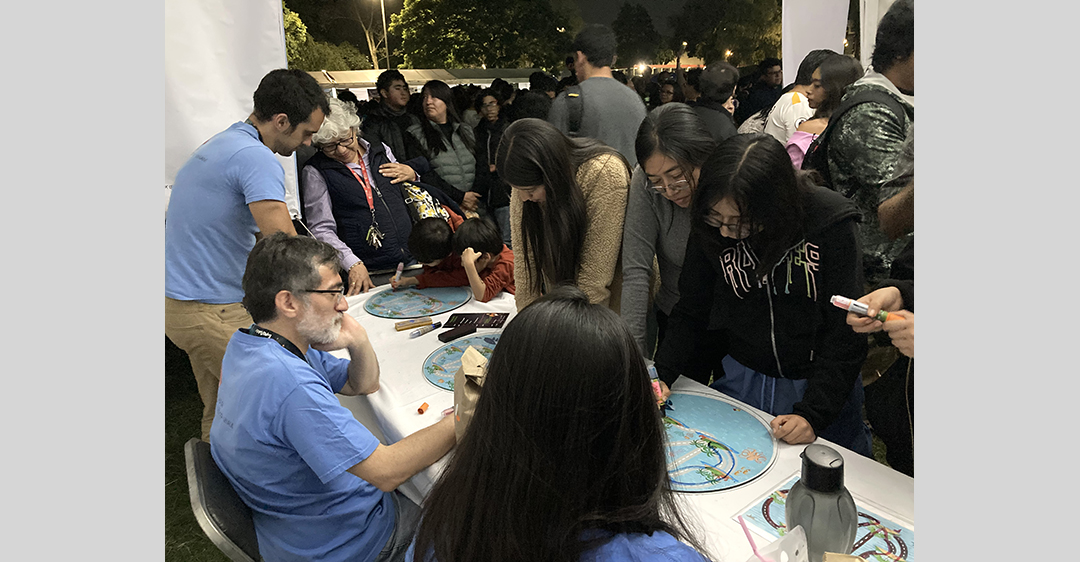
(784, 325)
(349, 205)
(495, 192)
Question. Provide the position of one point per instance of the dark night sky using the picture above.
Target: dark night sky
(604, 11)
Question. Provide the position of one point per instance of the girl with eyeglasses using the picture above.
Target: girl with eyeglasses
(567, 205)
(672, 144)
(488, 132)
(565, 458)
(767, 251)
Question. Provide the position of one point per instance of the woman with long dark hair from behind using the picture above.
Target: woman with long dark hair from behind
(767, 250)
(565, 457)
(567, 205)
(672, 144)
(448, 145)
(829, 82)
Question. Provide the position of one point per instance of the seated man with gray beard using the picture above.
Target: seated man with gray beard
(320, 486)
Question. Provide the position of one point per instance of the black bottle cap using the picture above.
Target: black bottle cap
(822, 468)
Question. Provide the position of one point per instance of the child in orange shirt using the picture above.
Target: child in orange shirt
(473, 256)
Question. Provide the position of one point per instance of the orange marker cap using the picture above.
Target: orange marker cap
(423, 408)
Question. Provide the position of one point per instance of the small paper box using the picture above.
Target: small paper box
(468, 380)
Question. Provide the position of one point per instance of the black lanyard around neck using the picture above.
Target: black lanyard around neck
(256, 330)
(257, 131)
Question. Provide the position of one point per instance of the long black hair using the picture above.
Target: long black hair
(755, 171)
(534, 153)
(432, 135)
(837, 73)
(565, 449)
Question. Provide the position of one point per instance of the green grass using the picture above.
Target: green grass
(184, 539)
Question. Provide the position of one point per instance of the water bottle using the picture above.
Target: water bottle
(821, 504)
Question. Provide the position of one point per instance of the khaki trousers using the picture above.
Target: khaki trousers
(203, 330)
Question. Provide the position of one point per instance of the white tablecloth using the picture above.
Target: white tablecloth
(391, 414)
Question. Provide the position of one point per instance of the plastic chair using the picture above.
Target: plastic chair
(221, 513)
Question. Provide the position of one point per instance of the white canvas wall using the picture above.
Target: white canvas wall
(871, 13)
(809, 25)
(216, 51)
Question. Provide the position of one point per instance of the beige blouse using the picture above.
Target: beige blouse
(604, 182)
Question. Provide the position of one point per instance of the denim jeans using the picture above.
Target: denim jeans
(406, 519)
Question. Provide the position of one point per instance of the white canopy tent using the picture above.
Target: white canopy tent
(360, 81)
(216, 52)
(822, 24)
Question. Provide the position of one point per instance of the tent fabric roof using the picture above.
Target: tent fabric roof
(367, 78)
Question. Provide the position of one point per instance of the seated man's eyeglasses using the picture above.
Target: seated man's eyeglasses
(338, 292)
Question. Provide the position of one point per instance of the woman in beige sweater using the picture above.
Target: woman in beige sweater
(567, 208)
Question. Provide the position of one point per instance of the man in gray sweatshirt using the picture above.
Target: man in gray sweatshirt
(610, 112)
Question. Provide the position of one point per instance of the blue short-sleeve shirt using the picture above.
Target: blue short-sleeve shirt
(286, 444)
(209, 230)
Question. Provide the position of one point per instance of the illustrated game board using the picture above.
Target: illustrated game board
(877, 538)
(714, 444)
(440, 366)
(414, 303)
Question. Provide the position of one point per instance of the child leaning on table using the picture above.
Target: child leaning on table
(474, 256)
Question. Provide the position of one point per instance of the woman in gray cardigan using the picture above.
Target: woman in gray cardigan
(672, 143)
(448, 144)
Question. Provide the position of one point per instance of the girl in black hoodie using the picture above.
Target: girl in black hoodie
(767, 250)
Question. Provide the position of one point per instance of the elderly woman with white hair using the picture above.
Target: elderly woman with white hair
(352, 200)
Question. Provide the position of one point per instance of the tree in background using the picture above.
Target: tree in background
(305, 53)
(569, 10)
(750, 29)
(295, 34)
(638, 39)
(474, 33)
(357, 22)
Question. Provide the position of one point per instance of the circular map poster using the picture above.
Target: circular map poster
(714, 444)
(440, 366)
(414, 303)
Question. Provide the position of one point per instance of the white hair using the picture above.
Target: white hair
(338, 124)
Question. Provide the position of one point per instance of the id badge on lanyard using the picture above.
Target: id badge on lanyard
(373, 237)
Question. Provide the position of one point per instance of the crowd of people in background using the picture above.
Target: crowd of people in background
(701, 218)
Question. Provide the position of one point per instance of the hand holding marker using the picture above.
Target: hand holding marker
(862, 309)
(397, 276)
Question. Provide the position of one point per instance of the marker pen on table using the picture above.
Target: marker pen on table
(423, 330)
(862, 309)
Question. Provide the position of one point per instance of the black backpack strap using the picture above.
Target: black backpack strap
(574, 106)
(817, 153)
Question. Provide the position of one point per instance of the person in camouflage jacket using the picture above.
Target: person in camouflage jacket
(868, 138)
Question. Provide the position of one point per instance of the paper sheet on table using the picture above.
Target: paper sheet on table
(879, 532)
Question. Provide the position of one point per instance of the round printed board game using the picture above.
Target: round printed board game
(443, 363)
(414, 303)
(714, 444)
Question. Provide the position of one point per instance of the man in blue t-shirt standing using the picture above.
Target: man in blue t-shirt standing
(230, 192)
(319, 484)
